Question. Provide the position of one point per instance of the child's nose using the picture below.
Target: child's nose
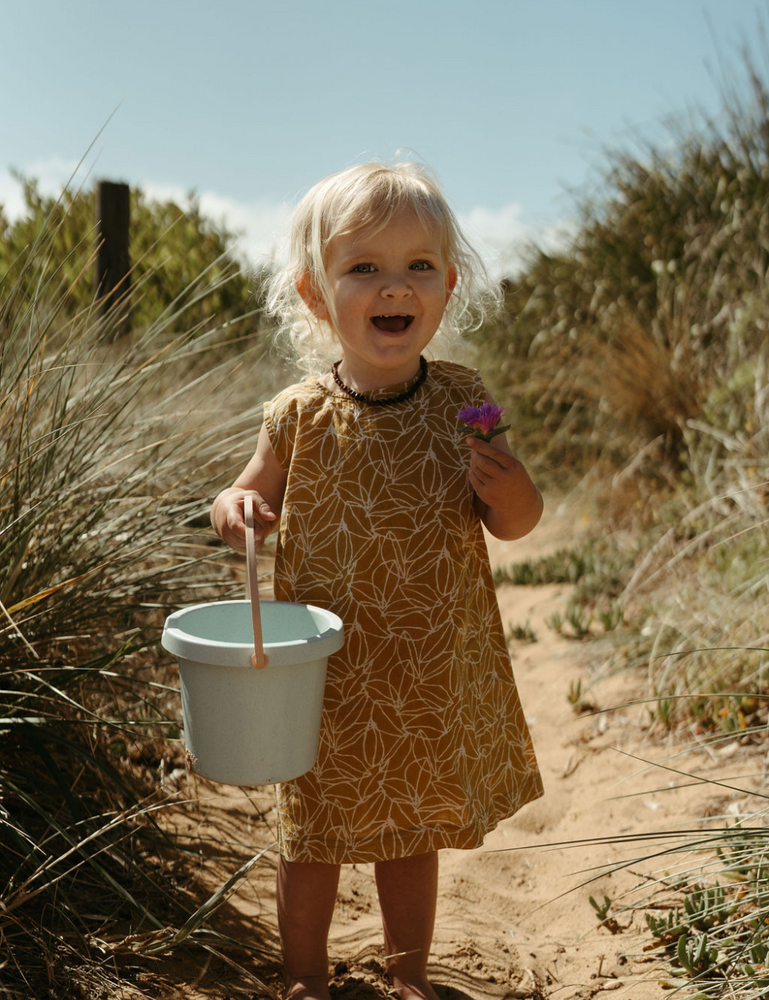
(395, 286)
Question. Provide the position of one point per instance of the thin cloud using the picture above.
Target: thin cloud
(497, 234)
(260, 227)
(11, 200)
(51, 175)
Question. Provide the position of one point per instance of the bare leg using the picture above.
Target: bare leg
(306, 896)
(408, 892)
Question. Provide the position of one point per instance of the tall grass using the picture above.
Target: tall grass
(110, 451)
(635, 362)
(644, 341)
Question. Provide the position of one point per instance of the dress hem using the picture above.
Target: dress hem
(405, 845)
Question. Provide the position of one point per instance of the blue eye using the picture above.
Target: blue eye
(362, 269)
(421, 265)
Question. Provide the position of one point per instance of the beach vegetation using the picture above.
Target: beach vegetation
(633, 361)
(111, 448)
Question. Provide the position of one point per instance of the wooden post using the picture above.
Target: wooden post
(113, 262)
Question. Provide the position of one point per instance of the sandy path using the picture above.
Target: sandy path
(504, 929)
(501, 928)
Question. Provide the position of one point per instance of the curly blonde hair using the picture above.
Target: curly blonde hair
(367, 197)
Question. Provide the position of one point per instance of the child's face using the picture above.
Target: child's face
(388, 294)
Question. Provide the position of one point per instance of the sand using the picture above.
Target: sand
(514, 918)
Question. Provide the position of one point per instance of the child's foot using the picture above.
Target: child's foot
(307, 988)
(414, 988)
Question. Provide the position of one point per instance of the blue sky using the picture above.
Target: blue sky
(512, 102)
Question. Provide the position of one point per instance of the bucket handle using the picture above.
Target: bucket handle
(258, 660)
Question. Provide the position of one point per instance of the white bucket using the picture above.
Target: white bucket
(252, 675)
(247, 726)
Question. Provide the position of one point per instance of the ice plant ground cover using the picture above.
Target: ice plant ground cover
(483, 420)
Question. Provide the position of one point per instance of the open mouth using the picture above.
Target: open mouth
(392, 323)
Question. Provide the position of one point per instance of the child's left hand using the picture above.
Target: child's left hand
(493, 473)
(511, 503)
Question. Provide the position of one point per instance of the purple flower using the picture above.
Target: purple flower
(483, 420)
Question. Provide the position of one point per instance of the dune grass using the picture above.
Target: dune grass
(110, 450)
(634, 362)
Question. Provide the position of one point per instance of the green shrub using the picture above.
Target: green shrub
(181, 261)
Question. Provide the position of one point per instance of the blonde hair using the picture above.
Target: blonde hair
(367, 197)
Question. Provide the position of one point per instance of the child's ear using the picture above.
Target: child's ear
(451, 280)
(312, 297)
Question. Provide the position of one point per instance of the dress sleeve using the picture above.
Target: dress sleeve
(478, 386)
(281, 415)
(467, 383)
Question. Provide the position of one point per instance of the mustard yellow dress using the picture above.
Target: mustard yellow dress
(423, 740)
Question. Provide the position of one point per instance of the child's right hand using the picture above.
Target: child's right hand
(227, 518)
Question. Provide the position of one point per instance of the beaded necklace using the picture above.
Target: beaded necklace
(359, 397)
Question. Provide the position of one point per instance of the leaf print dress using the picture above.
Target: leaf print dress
(423, 740)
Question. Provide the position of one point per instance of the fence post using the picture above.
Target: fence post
(113, 262)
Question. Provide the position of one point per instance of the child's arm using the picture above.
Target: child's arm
(507, 501)
(265, 479)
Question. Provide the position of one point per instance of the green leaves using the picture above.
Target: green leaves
(694, 954)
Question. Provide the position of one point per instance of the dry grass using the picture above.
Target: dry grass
(110, 451)
(634, 362)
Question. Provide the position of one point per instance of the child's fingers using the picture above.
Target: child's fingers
(261, 508)
(233, 526)
(482, 482)
(489, 459)
(264, 517)
(488, 448)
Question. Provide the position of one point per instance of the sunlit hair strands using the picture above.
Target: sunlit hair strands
(365, 198)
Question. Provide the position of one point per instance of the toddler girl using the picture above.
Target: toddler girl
(379, 503)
